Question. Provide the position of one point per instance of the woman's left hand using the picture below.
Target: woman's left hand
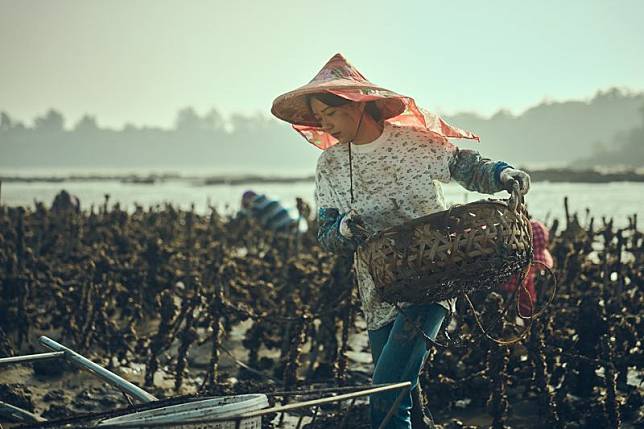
(523, 179)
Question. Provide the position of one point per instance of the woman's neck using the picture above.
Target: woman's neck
(369, 131)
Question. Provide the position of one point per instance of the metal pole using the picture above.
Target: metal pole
(108, 376)
(30, 358)
(292, 406)
(346, 415)
(309, 392)
(394, 406)
(403, 385)
(18, 414)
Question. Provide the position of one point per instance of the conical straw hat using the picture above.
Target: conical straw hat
(340, 78)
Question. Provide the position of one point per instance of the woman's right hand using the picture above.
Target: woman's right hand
(352, 227)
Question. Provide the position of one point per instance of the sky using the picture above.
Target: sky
(141, 61)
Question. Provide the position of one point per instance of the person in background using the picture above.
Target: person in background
(541, 255)
(269, 213)
(64, 202)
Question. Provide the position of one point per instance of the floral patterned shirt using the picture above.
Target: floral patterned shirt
(396, 178)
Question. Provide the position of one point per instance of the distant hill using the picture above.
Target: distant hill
(627, 150)
(556, 133)
(551, 133)
(257, 142)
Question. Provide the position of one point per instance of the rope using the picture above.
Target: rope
(503, 342)
(350, 174)
(529, 319)
(506, 342)
(550, 300)
(351, 158)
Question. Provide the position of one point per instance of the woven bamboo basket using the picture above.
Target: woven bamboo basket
(470, 247)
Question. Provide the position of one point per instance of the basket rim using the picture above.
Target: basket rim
(455, 209)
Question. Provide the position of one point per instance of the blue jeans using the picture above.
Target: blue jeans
(398, 352)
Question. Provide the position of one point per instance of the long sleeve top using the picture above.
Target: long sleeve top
(396, 178)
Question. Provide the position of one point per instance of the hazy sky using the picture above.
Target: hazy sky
(140, 61)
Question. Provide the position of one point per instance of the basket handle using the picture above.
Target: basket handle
(516, 197)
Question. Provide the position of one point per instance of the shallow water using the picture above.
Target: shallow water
(545, 200)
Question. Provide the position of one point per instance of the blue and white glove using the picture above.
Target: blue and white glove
(521, 177)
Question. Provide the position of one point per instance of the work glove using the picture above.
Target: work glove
(352, 227)
(523, 179)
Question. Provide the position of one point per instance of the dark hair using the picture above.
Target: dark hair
(337, 101)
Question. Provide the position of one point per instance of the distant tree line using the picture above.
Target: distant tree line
(253, 141)
(606, 130)
(627, 149)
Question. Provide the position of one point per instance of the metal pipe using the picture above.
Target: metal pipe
(30, 358)
(328, 400)
(18, 414)
(346, 414)
(309, 392)
(277, 409)
(108, 376)
(394, 407)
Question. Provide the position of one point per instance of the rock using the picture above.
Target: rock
(462, 403)
(110, 401)
(57, 395)
(17, 395)
(86, 395)
(323, 371)
(49, 367)
(55, 412)
(454, 424)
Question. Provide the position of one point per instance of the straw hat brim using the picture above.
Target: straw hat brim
(293, 106)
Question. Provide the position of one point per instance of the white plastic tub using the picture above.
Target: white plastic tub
(180, 415)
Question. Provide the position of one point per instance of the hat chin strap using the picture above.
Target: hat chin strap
(359, 125)
(350, 158)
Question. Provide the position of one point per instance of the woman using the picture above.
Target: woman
(382, 163)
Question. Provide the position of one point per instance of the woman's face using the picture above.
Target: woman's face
(341, 122)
